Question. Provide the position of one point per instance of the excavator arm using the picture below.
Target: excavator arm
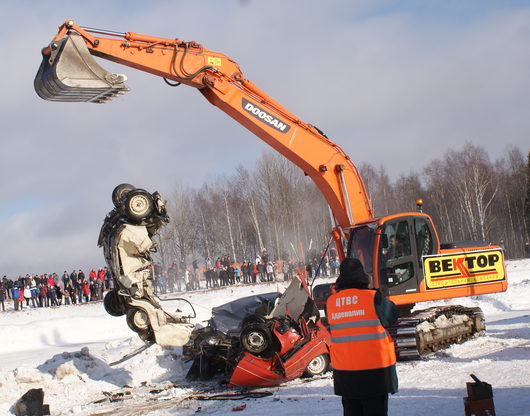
(68, 73)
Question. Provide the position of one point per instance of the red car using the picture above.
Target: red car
(262, 340)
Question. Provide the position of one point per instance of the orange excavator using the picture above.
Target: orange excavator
(402, 253)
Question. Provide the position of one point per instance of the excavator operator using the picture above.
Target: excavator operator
(362, 352)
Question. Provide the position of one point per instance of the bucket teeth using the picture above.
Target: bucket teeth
(71, 74)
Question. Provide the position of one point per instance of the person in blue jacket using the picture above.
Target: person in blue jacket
(15, 294)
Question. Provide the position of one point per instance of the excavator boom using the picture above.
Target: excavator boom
(69, 73)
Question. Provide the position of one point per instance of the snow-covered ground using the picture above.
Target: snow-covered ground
(46, 348)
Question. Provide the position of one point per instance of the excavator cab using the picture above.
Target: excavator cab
(400, 261)
(406, 261)
(69, 73)
(409, 265)
(392, 249)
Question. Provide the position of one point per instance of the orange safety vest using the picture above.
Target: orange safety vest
(358, 340)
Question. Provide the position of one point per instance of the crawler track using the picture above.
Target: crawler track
(429, 330)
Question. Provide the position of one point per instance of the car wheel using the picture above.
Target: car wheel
(119, 193)
(138, 205)
(256, 339)
(113, 304)
(317, 366)
(253, 319)
(138, 320)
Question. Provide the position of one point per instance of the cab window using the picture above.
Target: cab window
(361, 245)
(397, 265)
(400, 273)
(398, 238)
(424, 240)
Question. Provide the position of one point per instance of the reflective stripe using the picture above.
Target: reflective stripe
(362, 337)
(355, 324)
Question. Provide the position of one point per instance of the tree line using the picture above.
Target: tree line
(274, 206)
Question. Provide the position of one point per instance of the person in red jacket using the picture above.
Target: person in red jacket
(101, 274)
(49, 280)
(86, 290)
(43, 298)
(362, 352)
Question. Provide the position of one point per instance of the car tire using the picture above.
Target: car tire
(138, 320)
(119, 193)
(138, 205)
(317, 366)
(114, 304)
(253, 319)
(256, 339)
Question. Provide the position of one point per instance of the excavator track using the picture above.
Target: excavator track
(429, 330)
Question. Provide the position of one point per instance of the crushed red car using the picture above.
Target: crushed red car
(262, 340)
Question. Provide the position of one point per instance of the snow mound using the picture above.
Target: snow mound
(442, 321)
(73, 379)
(25, 375)
(83, 366)
(154, 365)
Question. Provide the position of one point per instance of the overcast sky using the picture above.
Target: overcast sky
(394, 83)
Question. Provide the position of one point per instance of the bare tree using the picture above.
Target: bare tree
(182, 227)
(509, 206)
(276, 206)
(379, 188)
(441, 198)
(474, 186)
(244, 183)
(165, 246)
(407, 190)
(229, 225)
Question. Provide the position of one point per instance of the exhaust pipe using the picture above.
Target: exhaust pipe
(69, 73)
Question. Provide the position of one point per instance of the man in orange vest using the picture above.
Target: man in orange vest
(362, 353)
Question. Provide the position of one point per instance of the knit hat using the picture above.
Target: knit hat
(352, 275)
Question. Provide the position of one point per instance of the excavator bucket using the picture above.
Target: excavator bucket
(69, 73)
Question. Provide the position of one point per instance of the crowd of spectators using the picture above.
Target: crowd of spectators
(49, 290)
(224, 272)
(52, 290)
(221, 272)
